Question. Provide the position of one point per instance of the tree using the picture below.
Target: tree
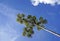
(30, 22)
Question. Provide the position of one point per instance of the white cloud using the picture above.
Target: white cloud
(51, 2)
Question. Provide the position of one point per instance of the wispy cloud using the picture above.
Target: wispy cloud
(7, 11)
(51, 2)
(7, 23)
(7, 33)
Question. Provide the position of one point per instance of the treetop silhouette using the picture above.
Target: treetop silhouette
(30, 22)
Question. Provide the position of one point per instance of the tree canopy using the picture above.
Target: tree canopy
(30, 22)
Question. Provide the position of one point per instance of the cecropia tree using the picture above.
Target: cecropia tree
(30, 22)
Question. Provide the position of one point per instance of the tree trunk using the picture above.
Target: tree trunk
(54, 33)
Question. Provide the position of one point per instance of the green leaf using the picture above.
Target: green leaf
(38, 23)
(25, 29)
(29, 35)
(26, 23)
(31, 31)
(22, 15)
(45, 21)
(41, 18)
(39, 28)
(34, 17)
(24, 33)
(19, 20)
(29, 16)
(19, 15)
(30, 22)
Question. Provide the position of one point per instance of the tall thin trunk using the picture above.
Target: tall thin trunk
(52, 32)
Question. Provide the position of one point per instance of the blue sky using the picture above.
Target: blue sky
(10, 30)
